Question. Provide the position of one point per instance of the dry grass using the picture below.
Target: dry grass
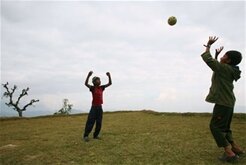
(128, 138)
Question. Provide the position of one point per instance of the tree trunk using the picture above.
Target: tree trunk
(20, 113)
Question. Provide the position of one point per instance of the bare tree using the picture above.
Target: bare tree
(15, 104)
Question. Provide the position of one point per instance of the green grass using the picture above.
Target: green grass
(127, 138)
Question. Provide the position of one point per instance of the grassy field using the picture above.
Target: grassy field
(127, 138)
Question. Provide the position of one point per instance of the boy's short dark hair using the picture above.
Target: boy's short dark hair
(94, 79)
(234, 56)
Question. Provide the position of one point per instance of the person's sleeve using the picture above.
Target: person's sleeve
(103, 87)
(91, 88)
(211, 62)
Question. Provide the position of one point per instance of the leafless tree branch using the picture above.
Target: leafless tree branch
(9, 94)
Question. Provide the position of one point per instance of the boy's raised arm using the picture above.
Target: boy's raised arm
(210, 61)
(109, 80)
(87, 79)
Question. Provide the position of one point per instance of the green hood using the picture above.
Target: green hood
(236, 72)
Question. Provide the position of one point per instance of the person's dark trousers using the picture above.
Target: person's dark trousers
(220, 125)
(95, 115)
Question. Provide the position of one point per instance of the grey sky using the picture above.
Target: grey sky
(50, 46)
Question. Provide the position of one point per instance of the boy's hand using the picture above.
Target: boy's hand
(211, 41)
(90, 73)
(217, 51)
(108, 74)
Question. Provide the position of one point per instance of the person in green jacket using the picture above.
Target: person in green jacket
(221, 93)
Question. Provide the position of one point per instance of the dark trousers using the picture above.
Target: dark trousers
(95, 115)
(220, 125)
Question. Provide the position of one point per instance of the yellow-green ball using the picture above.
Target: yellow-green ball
(172, 20)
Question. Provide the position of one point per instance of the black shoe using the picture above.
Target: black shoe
(86, 139)
(230, 159)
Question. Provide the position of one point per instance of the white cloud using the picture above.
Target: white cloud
(167, 94)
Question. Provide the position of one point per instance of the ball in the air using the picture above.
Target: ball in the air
(172, 20)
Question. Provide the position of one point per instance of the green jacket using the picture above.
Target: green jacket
(221, 90)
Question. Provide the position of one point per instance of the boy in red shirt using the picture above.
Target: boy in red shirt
(96, 111)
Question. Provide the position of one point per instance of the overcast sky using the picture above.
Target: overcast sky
(50, 46)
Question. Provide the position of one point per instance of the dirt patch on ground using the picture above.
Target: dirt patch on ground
(8, 146)
(31, 157)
